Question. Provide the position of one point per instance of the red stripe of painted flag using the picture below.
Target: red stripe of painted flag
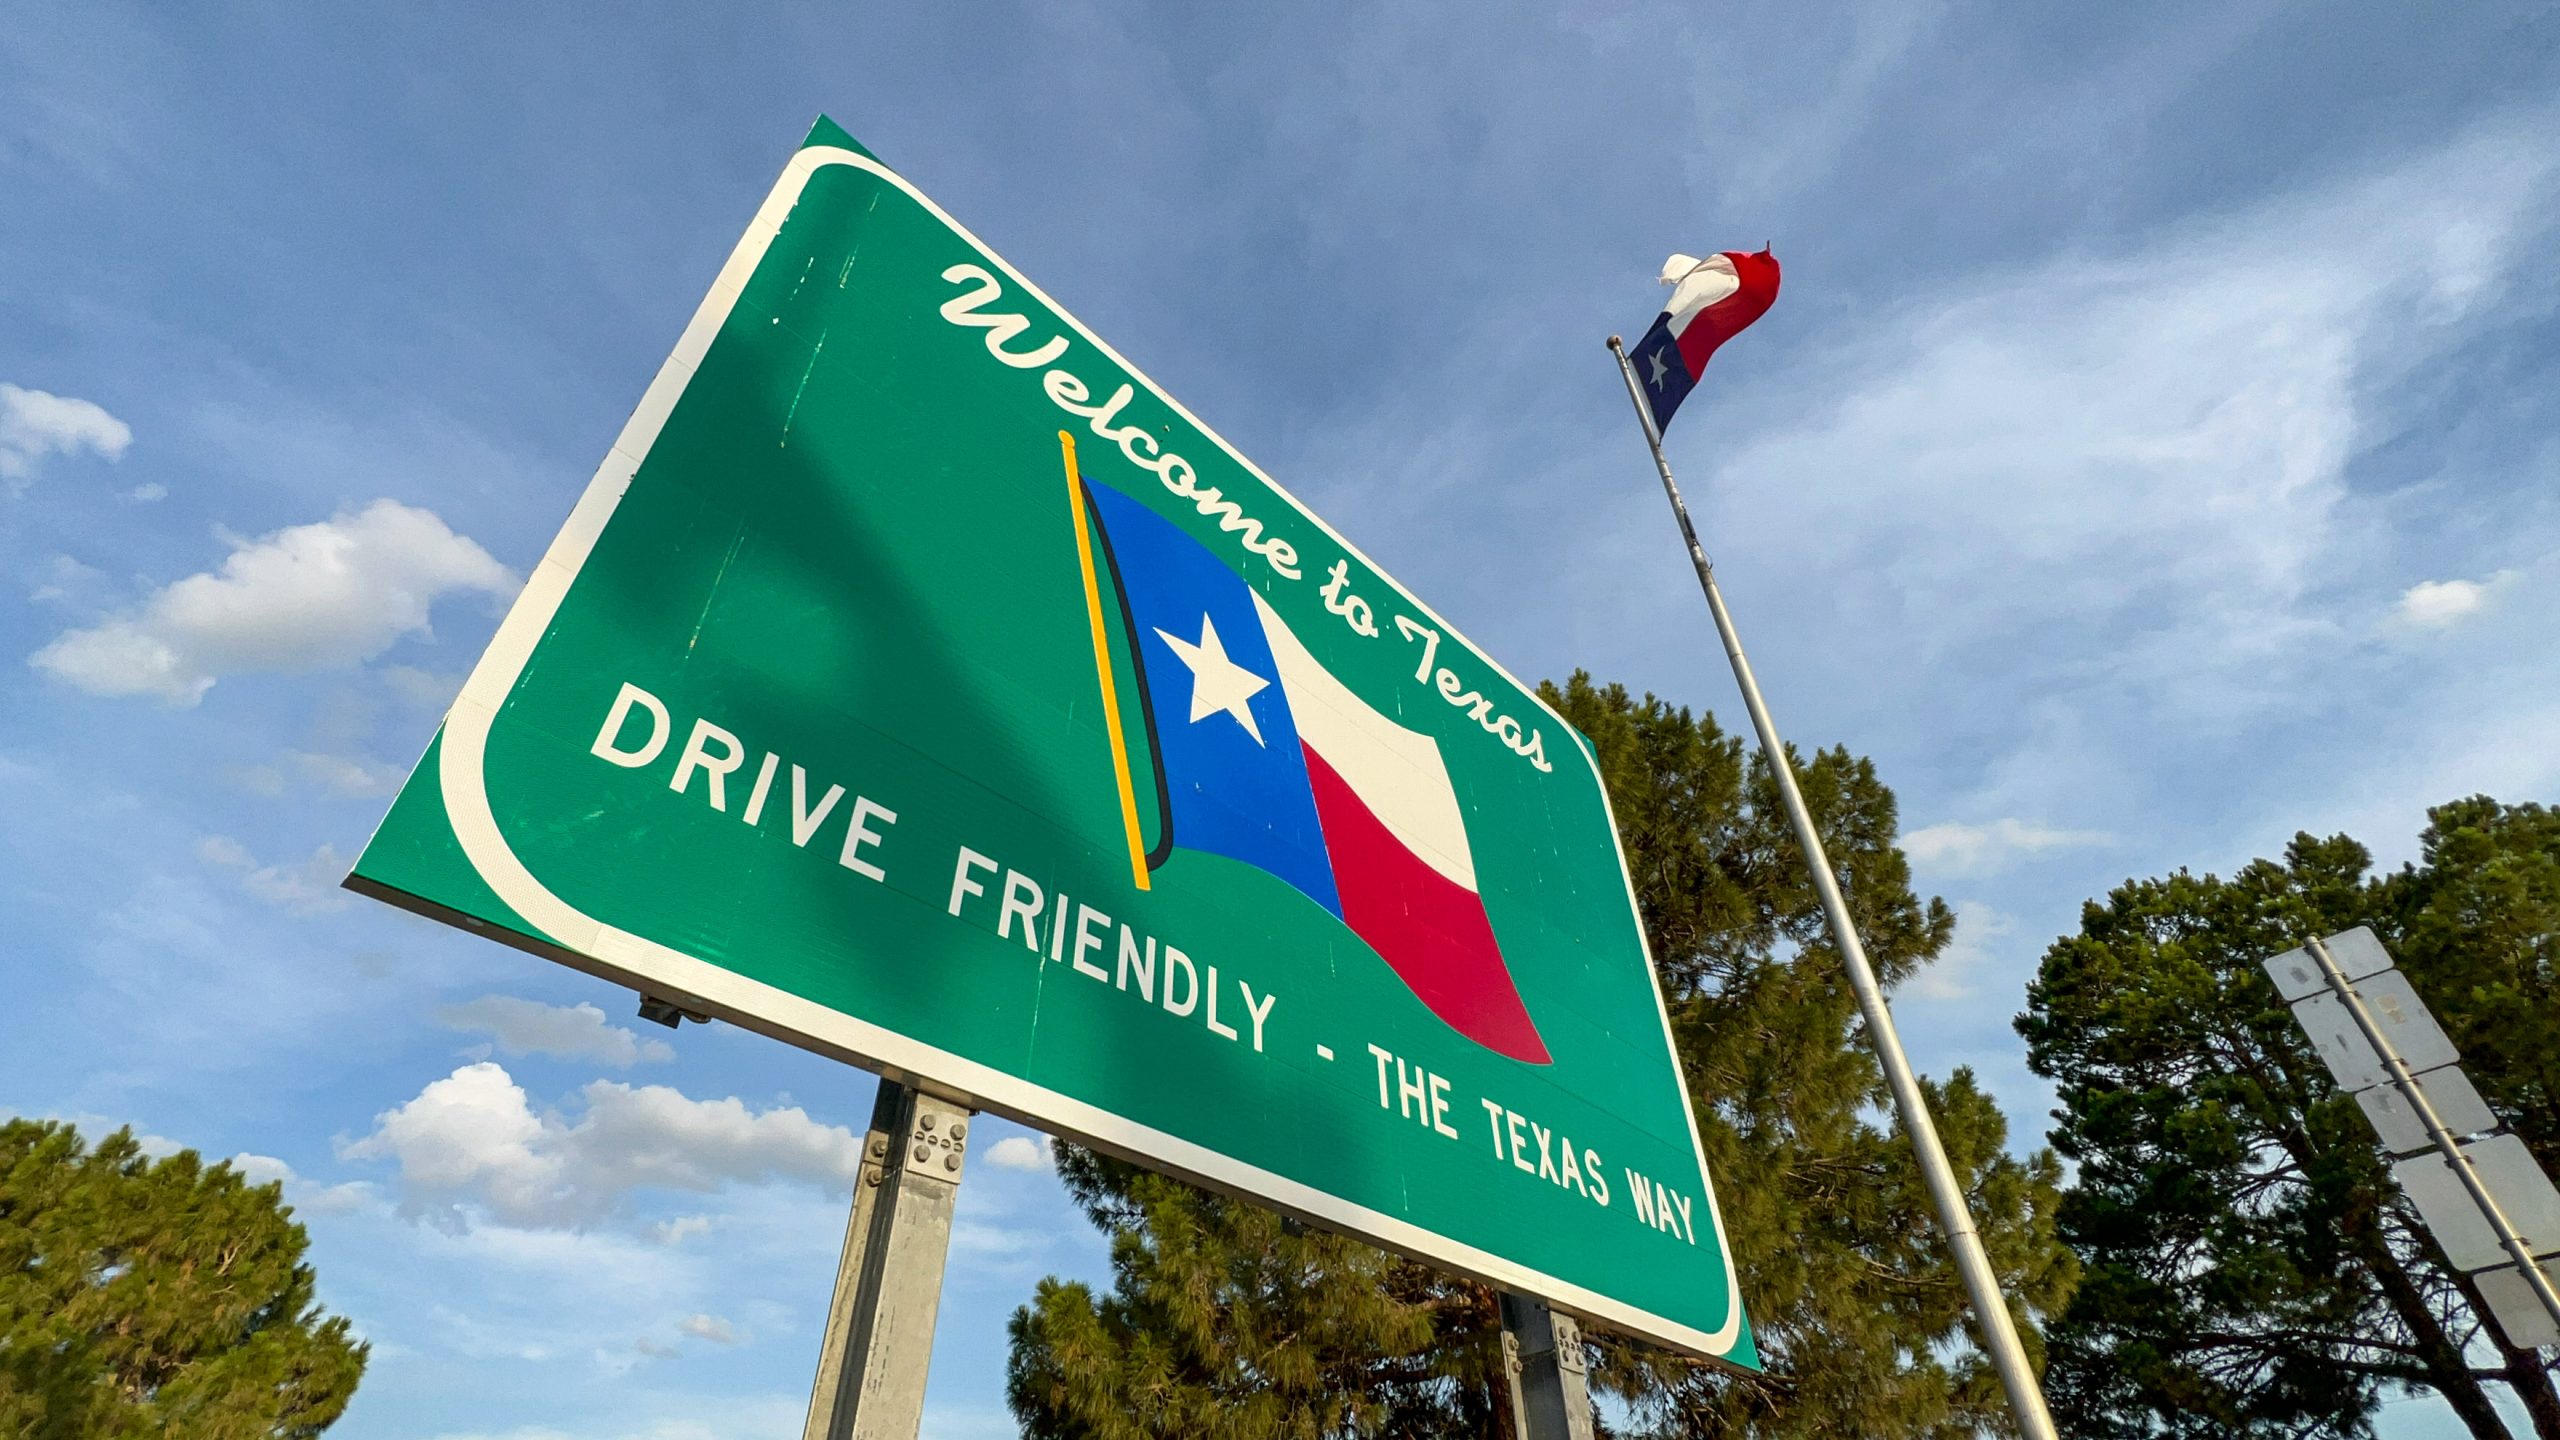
(1431, 930)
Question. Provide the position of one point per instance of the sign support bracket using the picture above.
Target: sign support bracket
(879, 1340)
(1549, 1378)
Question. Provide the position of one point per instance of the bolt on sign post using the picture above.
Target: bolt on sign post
(919, 683)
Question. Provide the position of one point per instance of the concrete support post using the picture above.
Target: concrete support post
(1549, 1377)
(879, 1340)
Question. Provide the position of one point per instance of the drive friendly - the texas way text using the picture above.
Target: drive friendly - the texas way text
(1054, 928)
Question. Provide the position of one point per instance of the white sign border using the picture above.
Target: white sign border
(590, 944)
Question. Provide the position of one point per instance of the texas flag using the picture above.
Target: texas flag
(1262, 756)
(1711, 301)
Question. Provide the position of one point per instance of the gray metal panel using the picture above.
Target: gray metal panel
(2513, 1305)
(2342, 1046)
(2396, 1010)
(2517, 1183)
(2358, 952)
(2448, 1090)
(2506, 1168)
(2296, 974)
(2407, 1025)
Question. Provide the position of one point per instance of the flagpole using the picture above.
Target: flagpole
(1991, 1311)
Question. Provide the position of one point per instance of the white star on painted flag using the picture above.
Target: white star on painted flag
(1661, 367)
(1217, 683)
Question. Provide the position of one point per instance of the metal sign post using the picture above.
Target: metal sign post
(871, 1370)
(2457, 1156)
(1543, 1363)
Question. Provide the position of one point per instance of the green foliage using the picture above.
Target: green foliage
(2478, 920)
(1224, 1320)
(1228, 1321)
(2251, 1268)
(143, 1298)
(1858, 1312)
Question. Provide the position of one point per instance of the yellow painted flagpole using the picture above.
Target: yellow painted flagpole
(1102, 665)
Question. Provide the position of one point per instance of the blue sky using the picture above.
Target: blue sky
(2151, 456)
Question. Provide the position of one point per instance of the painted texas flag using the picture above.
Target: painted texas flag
(1711, 301)
(1261, 755)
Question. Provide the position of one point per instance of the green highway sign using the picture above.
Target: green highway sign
(919, 683)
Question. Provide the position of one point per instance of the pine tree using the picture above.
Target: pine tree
(2252, 1270)
(156, 1298)
(1228, 1321)
(1858, 1312)
(1224, 1320)
(2478, 917)
(2477, 923)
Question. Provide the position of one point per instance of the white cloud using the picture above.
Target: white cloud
(303, 1194)
(711, 1328)
(147, 494)
(949, 1420)
(472, 1132)
(655, 1349)
(93, 1128)
(1021, 1152)
(1960, 849)
(473, 1139)
(35, 424)
(356, 777)
(352, 776)
(309, 887)
(1801, 148)
(722, 1417)
(2125, 476)
(326, 595)
(1958, 971)
(568, 1032)
(260, 1169)
(63, 576)
(2437, 604)
(425, 689)
(496, 1293)
(995, 1242)
(680, 1229)
(262, 780)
